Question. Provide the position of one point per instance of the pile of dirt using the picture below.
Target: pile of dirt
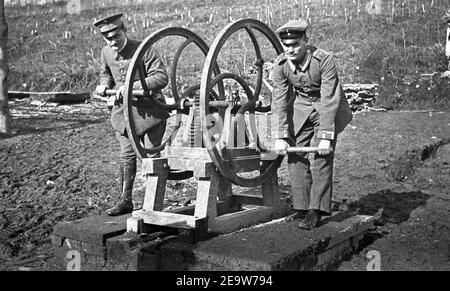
(361, 97)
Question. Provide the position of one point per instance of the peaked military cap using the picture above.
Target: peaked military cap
(291, 31)
(109, 23)
(446, 17)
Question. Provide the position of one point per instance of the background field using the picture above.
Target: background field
(51, 50)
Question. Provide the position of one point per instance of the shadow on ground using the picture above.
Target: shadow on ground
(385, 206)
(388, 206)
(38, 125)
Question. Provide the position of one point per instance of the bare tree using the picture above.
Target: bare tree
(5, 118)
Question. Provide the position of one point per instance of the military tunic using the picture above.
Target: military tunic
(315, 86)
(114, 67)
(308, 104)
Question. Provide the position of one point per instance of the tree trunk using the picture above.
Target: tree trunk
(5, 118)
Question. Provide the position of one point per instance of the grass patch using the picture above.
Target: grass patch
(51, 50)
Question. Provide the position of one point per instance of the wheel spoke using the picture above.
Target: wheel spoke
(173, 79)
(143, 76)
(259, 62)
(137, 67)
(226, 161)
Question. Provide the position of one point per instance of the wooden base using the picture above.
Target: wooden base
(216, 209)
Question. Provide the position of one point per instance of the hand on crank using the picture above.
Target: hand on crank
(280, 147)
(324, 147)
(101, 90)
(114, 99)
(111, 101)
(119, 93)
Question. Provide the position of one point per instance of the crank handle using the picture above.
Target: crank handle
(304, 149)
(139, 93)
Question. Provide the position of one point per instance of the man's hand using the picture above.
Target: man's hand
(137, 85)
(113, 99)
(119, 93)
(101, 90)
(280, 147)
(324, 147)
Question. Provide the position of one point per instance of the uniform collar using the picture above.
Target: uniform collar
(124, 45)
(304, 66)
(125, 49)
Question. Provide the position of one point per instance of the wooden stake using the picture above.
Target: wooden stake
(5, 117)
(404, 40)
(393, 10)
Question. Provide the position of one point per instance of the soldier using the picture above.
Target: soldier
(311, 109)
(149, 122)
(446, 20)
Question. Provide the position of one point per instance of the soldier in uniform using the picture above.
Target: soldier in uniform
(446, 20)
(149, 122)
(310, 109)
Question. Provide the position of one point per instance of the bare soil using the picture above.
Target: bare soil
(60, 165)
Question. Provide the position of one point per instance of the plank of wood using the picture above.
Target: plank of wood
(242, 160)
(233, 221)
(223, 207)
(206, 201)
(165, 218)
(195, 153)
(201, 168)
(18, 95)
(154, 166)
(68, 97)
(155, 190)
(59, 97)
(271, 191)
(248, 200)
(40, 93)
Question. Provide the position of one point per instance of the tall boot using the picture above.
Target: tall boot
(125, 204)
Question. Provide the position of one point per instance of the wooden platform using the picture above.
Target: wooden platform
(104, 245)
(212, 190)
(283, 246)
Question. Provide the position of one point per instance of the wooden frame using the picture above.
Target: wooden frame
(213, 190)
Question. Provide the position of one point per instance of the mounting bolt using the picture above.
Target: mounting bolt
(259, 62)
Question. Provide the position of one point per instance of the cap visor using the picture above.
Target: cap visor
(110, 33)
(290, 41)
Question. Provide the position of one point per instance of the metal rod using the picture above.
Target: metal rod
(225, 103)
(188, 104)
(41, 93)
(296, 150)
(289, 150)
(135, 92)
(304, 149)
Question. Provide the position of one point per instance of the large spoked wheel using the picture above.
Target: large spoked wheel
(138, 72)
(223, 164)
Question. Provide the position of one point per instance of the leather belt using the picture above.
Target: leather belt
(310, 97)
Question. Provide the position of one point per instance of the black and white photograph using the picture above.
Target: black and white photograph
(224, 140)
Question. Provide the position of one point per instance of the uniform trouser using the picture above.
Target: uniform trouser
(151, 138)
(311, 177)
